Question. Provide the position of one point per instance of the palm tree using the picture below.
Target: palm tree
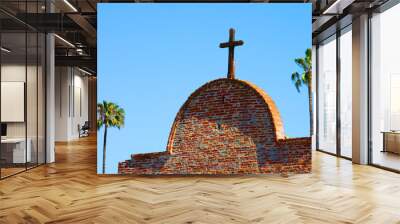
(304, 78)
(110, 115)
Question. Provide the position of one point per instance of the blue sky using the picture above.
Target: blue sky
(151, 57)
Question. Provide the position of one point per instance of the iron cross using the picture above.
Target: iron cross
(231, 45)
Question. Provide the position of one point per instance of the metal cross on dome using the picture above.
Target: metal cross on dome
(231, 44)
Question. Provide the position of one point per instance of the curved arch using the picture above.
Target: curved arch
(269, 104)
(272, 108)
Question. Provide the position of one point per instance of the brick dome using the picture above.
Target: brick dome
(220, 107)
(227, 126)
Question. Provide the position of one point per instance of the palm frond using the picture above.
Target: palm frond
(306, 66)
(110, 115)
(296, 80)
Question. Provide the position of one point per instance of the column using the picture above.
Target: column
(360, 90)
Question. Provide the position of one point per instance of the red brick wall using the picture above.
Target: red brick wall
(227, 126)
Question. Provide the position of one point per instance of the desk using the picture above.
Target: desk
(391, 141)
(18, 149)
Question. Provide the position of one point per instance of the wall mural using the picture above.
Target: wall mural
(226, 126)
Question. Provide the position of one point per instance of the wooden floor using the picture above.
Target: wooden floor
(387, 159)
(69, 191)
(10, 171)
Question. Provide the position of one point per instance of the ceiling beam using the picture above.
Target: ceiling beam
(85, 25)
(78, 61)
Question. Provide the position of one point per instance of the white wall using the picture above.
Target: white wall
(314, 95)
(16, 72)
(33, 127)
(71, 102)
(80, 110)
(62, 82)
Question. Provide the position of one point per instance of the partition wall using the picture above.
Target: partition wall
(22, 90)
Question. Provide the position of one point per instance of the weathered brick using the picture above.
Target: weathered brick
(227, 126)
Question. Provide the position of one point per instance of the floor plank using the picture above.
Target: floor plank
(69, 191)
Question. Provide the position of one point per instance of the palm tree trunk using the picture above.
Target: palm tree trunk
(104, 148)
(310, 108)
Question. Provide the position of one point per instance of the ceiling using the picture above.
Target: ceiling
(75, 22)
(331, 15)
